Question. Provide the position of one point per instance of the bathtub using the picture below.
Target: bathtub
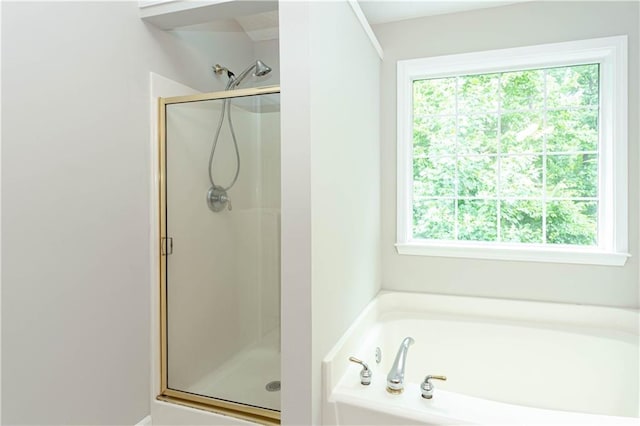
(506, 362)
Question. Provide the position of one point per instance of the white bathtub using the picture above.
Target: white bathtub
(507, 362)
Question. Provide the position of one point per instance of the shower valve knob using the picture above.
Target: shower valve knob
(217, 199)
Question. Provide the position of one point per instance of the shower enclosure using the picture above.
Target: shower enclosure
(220, 252)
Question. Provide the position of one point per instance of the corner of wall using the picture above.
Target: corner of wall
(296, 289)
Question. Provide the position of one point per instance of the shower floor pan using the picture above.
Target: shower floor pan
(248, 377)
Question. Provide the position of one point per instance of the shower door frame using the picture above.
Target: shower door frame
(233, 409)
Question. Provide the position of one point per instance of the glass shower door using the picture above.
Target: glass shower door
(221, 256)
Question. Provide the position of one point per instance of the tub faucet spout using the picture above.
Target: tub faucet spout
(395, 378)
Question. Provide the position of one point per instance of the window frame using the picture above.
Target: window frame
(611, 54)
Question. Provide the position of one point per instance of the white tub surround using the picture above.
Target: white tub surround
(507, 362)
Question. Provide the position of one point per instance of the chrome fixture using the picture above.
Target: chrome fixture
(378, 355)
(273, 386)
(365, 373)
(395, 378)
(219, 69)
(217, 198)
(259, 69)
(427, 387)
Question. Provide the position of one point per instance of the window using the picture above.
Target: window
(515, 154)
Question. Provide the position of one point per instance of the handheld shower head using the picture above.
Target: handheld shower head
(261, 68)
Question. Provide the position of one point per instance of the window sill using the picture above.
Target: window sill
(513, 253)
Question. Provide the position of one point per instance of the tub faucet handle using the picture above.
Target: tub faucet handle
(427, 387)
(365, 373)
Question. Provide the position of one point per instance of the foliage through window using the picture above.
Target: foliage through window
(517, 154)
(508, 157)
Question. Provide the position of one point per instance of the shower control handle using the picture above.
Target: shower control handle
(224, 199)
(217, 199)
(365, 373)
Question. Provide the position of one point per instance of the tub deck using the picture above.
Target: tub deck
(507, 362)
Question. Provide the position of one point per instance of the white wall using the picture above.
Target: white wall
(345, 176)
(295, 258)
(76, 207)
(517, 25)
(224, 42)
(330, 154)
(221, 42)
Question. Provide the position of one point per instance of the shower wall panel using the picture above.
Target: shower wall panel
(269, 143)
(213, 273)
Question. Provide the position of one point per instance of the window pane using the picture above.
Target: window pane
(521, 221)
(478, 134)
(572, 175)
(572, 86)
(476, 176)
(572, 130)
(433, 219)
(572, 222)
(434, 135)
(434, 176)
(521, 132)
(436, 96)
(522, 90)
(477, 220)
(478, 93)
(521, 176)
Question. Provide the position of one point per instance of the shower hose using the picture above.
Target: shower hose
(226, 109)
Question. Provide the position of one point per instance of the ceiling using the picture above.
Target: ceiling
(260, 27)
(264, 26)
(383, 11)
(261, 23)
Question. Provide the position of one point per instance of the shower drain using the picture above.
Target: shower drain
(273, 386)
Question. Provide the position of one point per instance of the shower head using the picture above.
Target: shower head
(259, 69)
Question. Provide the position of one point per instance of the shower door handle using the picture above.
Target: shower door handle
(167, 246)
